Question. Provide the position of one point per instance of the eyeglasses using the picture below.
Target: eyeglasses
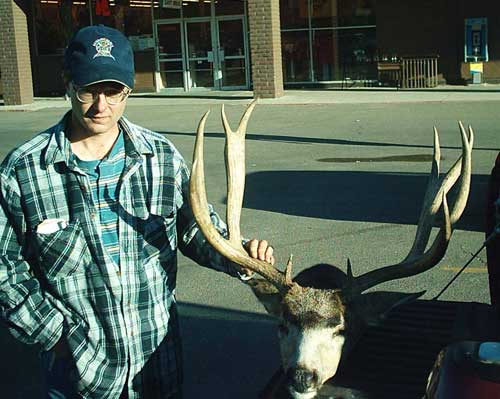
(114, 96)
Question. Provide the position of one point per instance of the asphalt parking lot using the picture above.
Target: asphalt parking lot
(328, 178)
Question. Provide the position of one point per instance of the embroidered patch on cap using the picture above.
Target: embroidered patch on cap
(98, 53)
(103, 47)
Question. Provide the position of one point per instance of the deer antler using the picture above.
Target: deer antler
(417, 260)
(231, 248)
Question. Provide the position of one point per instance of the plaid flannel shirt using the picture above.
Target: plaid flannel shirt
(119, 322)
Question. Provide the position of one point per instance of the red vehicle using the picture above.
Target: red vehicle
(466, 370)
(492, 222)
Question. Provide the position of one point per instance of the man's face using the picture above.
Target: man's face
(96, 108)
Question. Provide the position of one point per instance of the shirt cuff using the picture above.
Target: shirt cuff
(245, 277)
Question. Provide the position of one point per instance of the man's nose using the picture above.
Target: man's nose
(100, 103)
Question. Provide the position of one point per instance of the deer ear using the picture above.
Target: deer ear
(373, 307)
(267, 294)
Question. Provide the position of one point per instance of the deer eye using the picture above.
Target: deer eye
(339, 330)
(282, 329)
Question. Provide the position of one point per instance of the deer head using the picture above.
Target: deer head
(322, 311)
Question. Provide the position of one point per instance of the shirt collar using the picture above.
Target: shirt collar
(59, 147)
(136, 144)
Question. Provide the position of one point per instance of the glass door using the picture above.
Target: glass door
(202, 53)
(231, 56)
(199, 54)
(170, 61)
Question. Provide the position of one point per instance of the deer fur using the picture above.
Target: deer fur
(314, 320)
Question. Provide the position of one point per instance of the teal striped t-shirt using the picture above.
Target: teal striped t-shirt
(104, 175)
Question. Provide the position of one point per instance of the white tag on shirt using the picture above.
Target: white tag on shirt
(49, 226)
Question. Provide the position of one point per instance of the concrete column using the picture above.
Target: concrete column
(265, 48)
(15, 61)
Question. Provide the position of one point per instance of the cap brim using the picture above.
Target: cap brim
(108, 73)
(104, 80)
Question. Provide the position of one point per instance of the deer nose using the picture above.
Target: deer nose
(302, 379)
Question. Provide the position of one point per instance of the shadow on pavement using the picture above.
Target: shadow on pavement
(319, 140)
(227, 354)
(355, 196)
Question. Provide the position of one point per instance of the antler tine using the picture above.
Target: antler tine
(418, 261)
(235, 172)
(465, 175)
(232, 248)
(288, 271)
(432, 202)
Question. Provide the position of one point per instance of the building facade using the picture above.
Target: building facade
(260, 45)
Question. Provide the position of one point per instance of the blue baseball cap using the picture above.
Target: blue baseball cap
(99, 53)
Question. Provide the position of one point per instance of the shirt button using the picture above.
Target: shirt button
(119, 273)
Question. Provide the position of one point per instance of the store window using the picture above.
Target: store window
(195, 8)
(294, 14)
(166, 10)
(132, 17)
(356, 12)
(296, 55)
(328, 40)
(57, 20)
(344, 54)
(325, 47)
(230, 7)
(324, 13)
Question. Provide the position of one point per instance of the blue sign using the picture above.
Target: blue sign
(476, 39)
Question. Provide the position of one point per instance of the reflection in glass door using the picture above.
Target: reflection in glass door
(170, 60)
(199, 54)
(231, 54)
(202, 52)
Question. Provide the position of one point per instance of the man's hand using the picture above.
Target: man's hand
(258, 249)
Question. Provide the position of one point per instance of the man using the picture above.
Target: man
(92, 213)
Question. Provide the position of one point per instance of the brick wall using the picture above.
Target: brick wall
(265, 47)
(15, 63)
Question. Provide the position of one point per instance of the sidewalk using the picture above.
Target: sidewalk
(483, 92)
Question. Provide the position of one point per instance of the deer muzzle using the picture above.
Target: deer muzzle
(302, 380)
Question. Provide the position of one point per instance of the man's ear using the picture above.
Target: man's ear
(267, 294)
(66, 78)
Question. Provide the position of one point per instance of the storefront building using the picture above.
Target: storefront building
(260, 45)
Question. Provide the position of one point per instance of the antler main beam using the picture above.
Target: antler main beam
(232, 247)
(417, 260)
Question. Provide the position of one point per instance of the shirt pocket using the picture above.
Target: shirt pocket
(159, 237)
(63, 252)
